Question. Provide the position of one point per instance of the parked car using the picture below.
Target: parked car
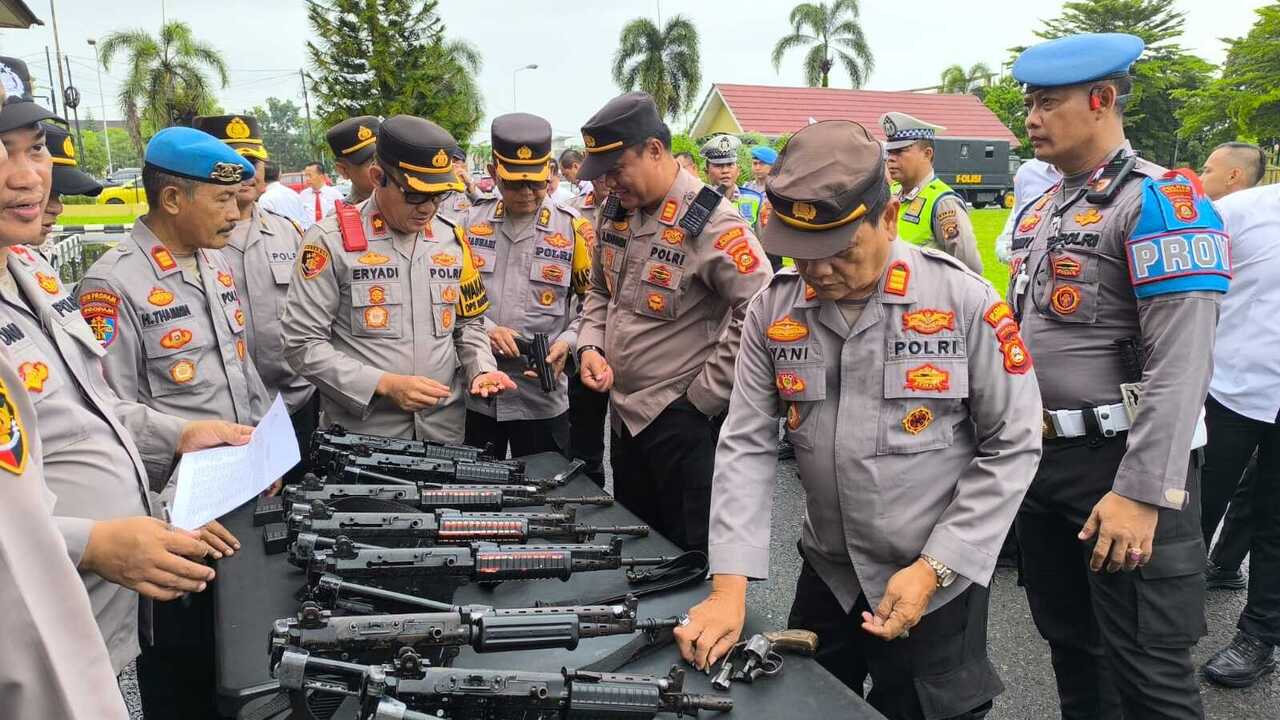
(293, 180)
(122, 176)
(128, 192)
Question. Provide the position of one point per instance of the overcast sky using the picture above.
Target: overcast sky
(573, 42)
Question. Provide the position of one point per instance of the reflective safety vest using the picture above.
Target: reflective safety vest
(749, 203)
(915, 216)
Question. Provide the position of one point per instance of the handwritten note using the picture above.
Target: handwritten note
(212, 483)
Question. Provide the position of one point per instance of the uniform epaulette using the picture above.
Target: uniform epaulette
(785, 275)
(954, 262)
(351, 227)
(286, 218)
(571, 211)
(447, 221)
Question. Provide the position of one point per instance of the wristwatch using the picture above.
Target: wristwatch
(585, 348)
(946, 575)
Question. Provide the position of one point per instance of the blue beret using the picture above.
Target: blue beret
(1077, 59)
(195, 155)
(764, 154)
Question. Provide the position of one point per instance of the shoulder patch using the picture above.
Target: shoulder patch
(313, 260)
(13, 435)
(101, 310)
(1180, 242)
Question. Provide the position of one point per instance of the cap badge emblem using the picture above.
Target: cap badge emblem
(523, 152)
(238, 129)
(803, 210)
(588, 140)
(441, 159)
(225, 172)
(363, 133)
(68, 147)
(890, 127)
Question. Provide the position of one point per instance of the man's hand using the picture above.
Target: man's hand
(715, 624)
(204, 434)
(146, 555)
(557, 355)
(503, 342)
(1121, 525)
(491, 383)
(595, 372)
(905, 599)
(411, 393)
(224, 544)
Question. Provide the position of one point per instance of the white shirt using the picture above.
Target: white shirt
(328, 195)
(1246, 374)
(282, 200)
(1032, 180)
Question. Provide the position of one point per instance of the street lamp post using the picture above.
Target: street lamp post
(530, 66)
(106, 139)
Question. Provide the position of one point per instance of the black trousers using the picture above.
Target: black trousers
(1232, 439)
(1120, 642)
(587, 409)
(663, 475)
(305, 421)
(176, 674)
(523, 437)
(1237, 525)
(939, 671)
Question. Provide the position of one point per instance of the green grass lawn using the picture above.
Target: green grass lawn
(987, 224)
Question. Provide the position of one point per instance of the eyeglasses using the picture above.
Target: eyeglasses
(412, 197)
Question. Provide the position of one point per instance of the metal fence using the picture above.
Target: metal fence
(71, 249)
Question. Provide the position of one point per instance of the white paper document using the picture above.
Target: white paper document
(212, 483)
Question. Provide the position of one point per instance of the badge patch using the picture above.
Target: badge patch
(314, 259)
(996, 313)
(552, 273)
(789, 383)
(744, 257)
(183, 372)
(1183, 200)
(929, 321)
(446, 318)
(546, 298)
(810, 292)
(544, 217)
(160, 297)
(176, 338)
(239, 315)
(1067, 267)
(13, 436)
(1044, 199)
(787, 330)
(915, 208)
(660, 275)
(896, 282)
(621, 225)
(1066, 299)
(558, 240)
(668, 214)
(376, 317)
(164, 259)
(803, 211)
(34, 375)
(1088, 217)
(449, 294)
(499, 210)
(917, 420)
(48, 283)
(240, 350)
(793, 416)
(377, 295)
(673, 236)
(729, 236)
(224, 279)
(378, 224)
(950, 230)
(1029, 222)
(101, 310)
(481, 229)
(372, 258)
(1016, 358)
(928, 378)
(657, 302)
(444, 259)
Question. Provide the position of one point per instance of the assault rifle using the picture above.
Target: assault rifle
(451, 526)
(435, 496)
(378, 638)
(407, 468)
(408, 690)
(340, 438)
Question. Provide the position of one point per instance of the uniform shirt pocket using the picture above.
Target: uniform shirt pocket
(173, 355)
(377, 309)
(923, 399)
(444, 300)
(801, 389)
(660, 290)
(281, 272)
(484, 258)
(1072, 294)
(36, 371)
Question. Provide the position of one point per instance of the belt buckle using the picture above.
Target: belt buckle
(1047, 428)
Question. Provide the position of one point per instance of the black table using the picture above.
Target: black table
(253, 589)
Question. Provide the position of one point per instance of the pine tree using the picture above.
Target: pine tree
(390, 57)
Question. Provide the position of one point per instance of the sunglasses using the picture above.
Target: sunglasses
(412, 197)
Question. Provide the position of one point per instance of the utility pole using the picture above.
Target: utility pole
(72, 100)
(57, 49)
(306, 103)
(53, 100)
(106, 139)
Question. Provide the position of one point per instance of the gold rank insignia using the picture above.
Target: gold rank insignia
(787, 330)
(928, 378)
(544, 217)
(929, 321)
(668, 214)
(524, 152)
(48, 283)
(673, 236)
(546, 298)
(558, 240)
(160, 297)
(224, 279)
(789, 383)
(68, 147)
(164, 260)
(481, 229)
(896, 281)
(176, 338)
(240, 348)
(588, 140)
(378, 224)
(917, 420)
(372, 258)
(1088, 217)
(13, 437)
(239, 314)
(444, 259)
(810, 292)
(363, 133)
(34, 375)
(449, 294)
(183, 372)
(804, 211)
(441, 159)
(238, 129)
(657, 302)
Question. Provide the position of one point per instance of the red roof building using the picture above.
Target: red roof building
(774, 111)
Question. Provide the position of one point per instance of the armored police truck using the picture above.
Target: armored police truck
(980, 170)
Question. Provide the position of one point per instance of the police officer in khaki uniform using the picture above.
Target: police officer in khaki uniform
(262, 250)
(931, 214)
(55, 662)
(1117, 275)
(384, 313)
(163, 304)
(532, 254)
(352, 142)
(913, 408)
(672, 273)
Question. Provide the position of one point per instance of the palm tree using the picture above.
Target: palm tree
(958, 81)
(663, 63)
(166, 78)
(835, 34)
